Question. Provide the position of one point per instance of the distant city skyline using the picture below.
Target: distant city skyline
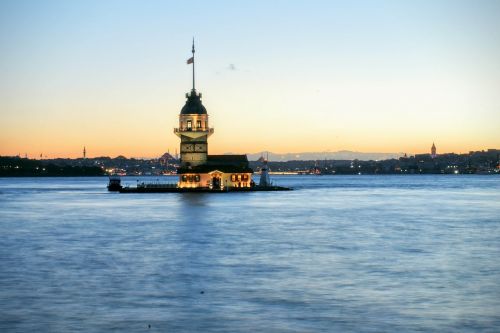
(286, 77)
(282, 156)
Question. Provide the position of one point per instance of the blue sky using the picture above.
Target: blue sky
(284, 76)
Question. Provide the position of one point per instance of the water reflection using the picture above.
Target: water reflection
(194, 200)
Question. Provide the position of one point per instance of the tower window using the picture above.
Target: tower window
(189, 125)
(198, 124)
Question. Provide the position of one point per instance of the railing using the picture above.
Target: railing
(185, 129)
(157, 185)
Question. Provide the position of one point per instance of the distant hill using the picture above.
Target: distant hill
(339, 155)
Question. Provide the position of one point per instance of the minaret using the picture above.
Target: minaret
(84, 152)
(433, 151)
(193, 127)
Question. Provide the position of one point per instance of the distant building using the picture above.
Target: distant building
(198, 169)
(166, 157)
(433, 151)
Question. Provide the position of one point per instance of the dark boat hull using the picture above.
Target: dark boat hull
(114, 187)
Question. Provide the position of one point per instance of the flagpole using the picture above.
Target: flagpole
(193, 63)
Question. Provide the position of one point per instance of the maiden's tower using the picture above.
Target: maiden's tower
(198, 169)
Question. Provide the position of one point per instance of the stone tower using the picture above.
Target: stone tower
(193, 128)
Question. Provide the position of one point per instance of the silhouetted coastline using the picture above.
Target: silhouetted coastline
(23, 167)
(474, 162)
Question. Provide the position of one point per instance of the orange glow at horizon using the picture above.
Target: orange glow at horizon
(157, 140)
(134, 130)
(130, 131)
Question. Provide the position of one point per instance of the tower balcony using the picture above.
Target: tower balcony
(193, 132)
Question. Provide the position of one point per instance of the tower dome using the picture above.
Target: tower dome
(193, 104)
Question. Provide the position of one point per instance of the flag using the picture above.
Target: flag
(190, 60)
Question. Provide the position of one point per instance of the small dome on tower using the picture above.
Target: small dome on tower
(193, 104)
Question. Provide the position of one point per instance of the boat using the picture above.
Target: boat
(115, 183)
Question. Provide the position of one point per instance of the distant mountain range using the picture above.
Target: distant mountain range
(338, 155)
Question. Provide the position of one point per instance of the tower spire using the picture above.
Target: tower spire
(192, 50)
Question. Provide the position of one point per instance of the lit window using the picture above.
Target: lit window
(189, 125)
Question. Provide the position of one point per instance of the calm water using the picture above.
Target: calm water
(339, 254)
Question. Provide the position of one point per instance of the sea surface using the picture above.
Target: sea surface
(337, 254)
